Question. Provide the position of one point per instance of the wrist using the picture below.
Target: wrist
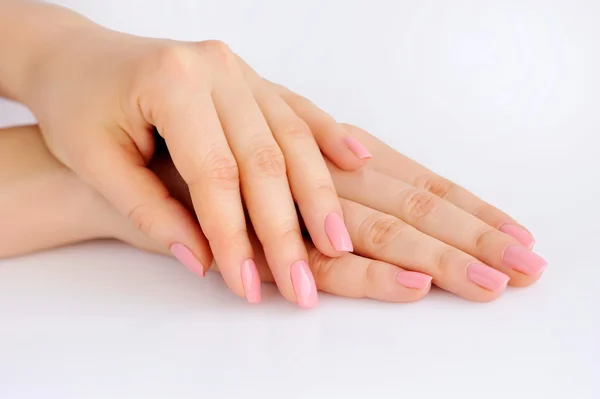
(42, 203)
(31, 34)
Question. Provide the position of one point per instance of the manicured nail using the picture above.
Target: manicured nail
(487, 277)
(415, 280)
(304, 285)
(338, 233)
(185, 256)
(522, 235)
(523, 260)
(251, 281)
(357, 148)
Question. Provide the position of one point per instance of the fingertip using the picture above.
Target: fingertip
(304, 285)
(357, 148)
(414, 280)
(251, 282)
(519, 233)
(183, 254)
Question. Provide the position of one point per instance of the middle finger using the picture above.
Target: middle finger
(265, 187)
(442, 220)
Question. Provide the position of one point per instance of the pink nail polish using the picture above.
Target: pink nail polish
(304, 285)
(357, 148)
(185, 256)
(523, 260)
(522, 235)
(487, 277)
(415, 280)
(337, 233)
(251, 281)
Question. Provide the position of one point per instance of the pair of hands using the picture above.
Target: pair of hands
(408, 226)
(238, 140)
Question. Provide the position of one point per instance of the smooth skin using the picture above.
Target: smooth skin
(99, 96)
(397, 253)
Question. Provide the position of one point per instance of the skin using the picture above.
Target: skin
(99, 96)
(392, 234)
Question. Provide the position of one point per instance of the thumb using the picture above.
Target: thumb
(119, 173)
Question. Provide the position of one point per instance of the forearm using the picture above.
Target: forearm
(30, 32)
(42, 203)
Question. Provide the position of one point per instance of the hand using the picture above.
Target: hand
(381, 238)
(99, 94)
(433, 217)
(71, 211)
(393, 221)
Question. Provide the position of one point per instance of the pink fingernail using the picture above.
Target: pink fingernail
(304, 285)
(523, 260)
(185, 256)
(415, 280)
(338, 233)
(487, 277)
(522, 235)
(357, 148)
(251, 281)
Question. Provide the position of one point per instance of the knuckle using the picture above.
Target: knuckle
(217, 50)
(290, 235)
(370, 275)
(418, 205)
(436, 185)
(233, 237)
(382, 231)
(142, 217)
(323, 190)
(223, 172)
(322, 266)
(268, 161)
(177, 61)
(490, 214)
(297, 129)
(444, 262)
(481, 239)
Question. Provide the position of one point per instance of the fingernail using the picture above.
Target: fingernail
(304, 285)
(523, 260)
(185, 256)
(338, 233)
(415, 280)
(357, 148)
(522, 235)
(487, 277)
(251, 281)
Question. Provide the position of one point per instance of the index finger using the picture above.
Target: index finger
(392, 163)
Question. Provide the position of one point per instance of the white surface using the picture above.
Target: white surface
(502, 97)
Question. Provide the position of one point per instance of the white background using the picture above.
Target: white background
(500, 96)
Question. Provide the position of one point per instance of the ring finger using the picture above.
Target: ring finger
(387, 238)
(265, 188)
(441, 220)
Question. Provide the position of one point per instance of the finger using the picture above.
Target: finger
(389, 161)
(308, 175)
(385, 237)
(189, 123)
(337, 144)
(265, 187)
(118, 172)
(443, 221)
(353, 276)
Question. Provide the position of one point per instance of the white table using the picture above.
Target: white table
(501, 97)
